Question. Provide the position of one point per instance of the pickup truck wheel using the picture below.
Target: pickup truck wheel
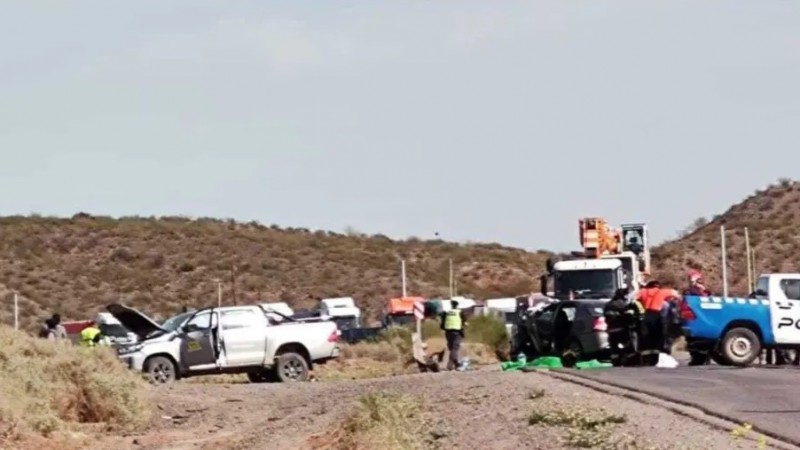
(291, 367)
(159, 370)
(740, 346)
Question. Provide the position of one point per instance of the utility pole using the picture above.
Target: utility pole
(403, 276)
(749, 263)
(724, 262)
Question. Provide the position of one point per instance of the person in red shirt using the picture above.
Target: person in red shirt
(696, 286)
(652, 298)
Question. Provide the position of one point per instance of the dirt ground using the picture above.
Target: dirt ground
(478, 409)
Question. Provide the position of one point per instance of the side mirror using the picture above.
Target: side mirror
(186, 329)
(549, 265)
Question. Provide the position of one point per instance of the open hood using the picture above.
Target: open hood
(133, 320)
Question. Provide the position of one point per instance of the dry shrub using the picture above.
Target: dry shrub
(47, 386)
(381, 421)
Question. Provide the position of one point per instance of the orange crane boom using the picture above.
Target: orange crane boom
(597, 238)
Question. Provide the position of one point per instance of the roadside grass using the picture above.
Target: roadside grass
(582, 426)
(381, 421)
(48, 386)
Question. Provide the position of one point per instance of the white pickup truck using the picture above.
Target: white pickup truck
(231, 339)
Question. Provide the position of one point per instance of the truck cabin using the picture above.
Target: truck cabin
(587, 278)
(400, 311)
(342, 311)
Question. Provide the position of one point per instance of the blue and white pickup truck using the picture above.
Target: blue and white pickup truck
(733, 331)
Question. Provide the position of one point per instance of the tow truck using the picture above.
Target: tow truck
(611, 259)
(733, 331)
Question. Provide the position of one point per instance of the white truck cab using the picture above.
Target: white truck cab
(341, 310)
(231, 339)
(587, 278)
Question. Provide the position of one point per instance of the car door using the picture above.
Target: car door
(199, 349)
(243, 336)
(544, 326)
(784, 305)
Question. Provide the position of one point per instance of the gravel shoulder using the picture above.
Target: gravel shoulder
(479, 409)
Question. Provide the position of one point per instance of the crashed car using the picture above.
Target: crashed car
(232, 339)
(571, 329)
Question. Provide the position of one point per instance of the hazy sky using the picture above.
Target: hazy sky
(485, 121)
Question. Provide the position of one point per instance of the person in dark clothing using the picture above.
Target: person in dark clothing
(453, 322)
(52, 328)
(624, 322)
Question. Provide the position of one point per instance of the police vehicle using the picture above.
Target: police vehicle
(733, 331)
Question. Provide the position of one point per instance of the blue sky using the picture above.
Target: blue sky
(484, 121)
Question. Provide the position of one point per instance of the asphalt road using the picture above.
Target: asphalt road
(766, 397)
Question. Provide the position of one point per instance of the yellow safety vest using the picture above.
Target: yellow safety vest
(452, 320)
(87, 336)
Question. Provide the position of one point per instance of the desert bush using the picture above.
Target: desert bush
(385, 421)
(47, 385)
(489, 330)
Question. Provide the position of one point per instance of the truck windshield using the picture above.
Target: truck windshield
(173, 323)
(595, 283)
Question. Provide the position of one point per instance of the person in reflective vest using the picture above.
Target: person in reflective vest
(453, 322)
(90, 336)
(652, 299)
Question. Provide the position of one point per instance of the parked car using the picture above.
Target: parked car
(573, 330)
(232, 339)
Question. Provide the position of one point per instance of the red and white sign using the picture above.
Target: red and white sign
(419, 310)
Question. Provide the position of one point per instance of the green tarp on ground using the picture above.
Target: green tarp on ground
(551, 362)
(545, 362)
(592, 364)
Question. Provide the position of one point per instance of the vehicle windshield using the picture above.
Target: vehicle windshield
(173, 323)
(595, 283)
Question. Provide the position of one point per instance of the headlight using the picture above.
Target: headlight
(124, 350)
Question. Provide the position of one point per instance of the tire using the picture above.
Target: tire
(719, 359)
(740, 346)
(160, 370)
(264, 376)
(291, 367)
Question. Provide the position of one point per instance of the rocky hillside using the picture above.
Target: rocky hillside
(772, 217)
(75, 266)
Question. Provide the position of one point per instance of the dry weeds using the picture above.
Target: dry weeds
(46, 386)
